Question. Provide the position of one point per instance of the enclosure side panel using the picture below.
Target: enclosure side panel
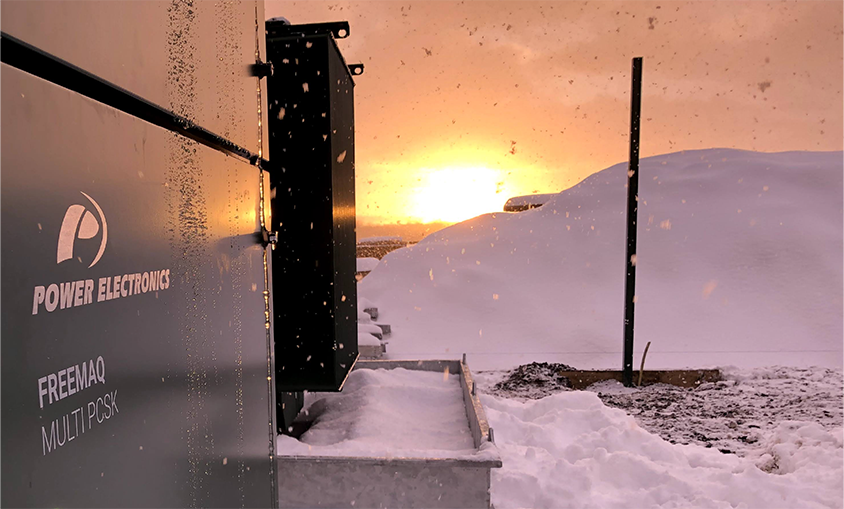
(132, 250)
(191, 57)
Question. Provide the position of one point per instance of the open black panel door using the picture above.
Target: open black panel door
(311, 125)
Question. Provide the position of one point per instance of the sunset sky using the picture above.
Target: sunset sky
(465, 104)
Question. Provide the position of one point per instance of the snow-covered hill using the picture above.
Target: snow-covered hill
(740, 262)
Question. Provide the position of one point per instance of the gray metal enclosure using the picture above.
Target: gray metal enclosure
(136, 357)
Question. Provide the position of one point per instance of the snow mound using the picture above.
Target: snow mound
(569, 450)
(796, 444)
(739, 262)
(366, 264)
(366, 339)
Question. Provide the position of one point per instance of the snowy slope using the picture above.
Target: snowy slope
(740, 262)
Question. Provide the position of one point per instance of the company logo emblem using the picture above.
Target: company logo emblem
(80, 223)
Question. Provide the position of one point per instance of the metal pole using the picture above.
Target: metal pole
(632, 209)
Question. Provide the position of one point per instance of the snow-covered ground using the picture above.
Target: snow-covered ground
(571, 450)
(737, 414)
(785, 421)
(739, 263)
(568, 449)
(731, 415)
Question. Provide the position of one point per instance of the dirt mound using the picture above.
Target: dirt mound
(535, 380)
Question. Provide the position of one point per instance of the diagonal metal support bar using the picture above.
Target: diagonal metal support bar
(32, 60)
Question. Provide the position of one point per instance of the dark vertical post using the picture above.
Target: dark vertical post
(632, 209)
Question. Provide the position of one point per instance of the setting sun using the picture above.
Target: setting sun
(454, 194)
